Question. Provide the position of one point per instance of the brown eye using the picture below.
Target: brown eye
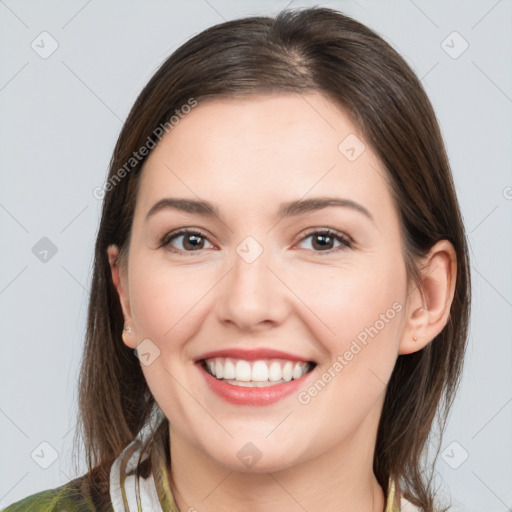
(326, 240)
(186, 241)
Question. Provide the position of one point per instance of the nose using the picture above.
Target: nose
(252, 296)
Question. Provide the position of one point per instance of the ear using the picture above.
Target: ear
(119, 278)
(429, 302)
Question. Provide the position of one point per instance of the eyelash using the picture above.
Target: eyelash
(345, 242)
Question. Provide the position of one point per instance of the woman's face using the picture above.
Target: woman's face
(270, 282)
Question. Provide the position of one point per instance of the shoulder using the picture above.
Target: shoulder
(66, 498)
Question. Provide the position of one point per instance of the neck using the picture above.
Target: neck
(340, 480)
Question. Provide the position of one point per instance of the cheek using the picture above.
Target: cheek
(364, 307)
(360, 314)
(165, 300)
(348, 299)
(165, 304)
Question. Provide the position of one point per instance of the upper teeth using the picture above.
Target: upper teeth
(273, 370)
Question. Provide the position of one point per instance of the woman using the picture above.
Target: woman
(282, 249)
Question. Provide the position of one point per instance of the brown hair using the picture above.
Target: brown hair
(314, 49)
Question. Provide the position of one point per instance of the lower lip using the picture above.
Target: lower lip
(241, 395)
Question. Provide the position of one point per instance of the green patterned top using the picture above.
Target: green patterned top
(130, 492)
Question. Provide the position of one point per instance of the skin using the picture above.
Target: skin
(247, 156)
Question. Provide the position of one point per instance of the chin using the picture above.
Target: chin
(254, 457)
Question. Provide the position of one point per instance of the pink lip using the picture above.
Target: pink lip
(240, 395)
(251, 355)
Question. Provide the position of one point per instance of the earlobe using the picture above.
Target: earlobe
(429, 303)
(117, 279)
(415, 336)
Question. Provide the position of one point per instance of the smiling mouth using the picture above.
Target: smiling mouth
(256, 374)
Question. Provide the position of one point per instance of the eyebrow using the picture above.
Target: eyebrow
(289, 209)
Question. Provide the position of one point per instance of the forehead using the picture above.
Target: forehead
(274, 147)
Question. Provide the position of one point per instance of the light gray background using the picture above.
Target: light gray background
(60, 118)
